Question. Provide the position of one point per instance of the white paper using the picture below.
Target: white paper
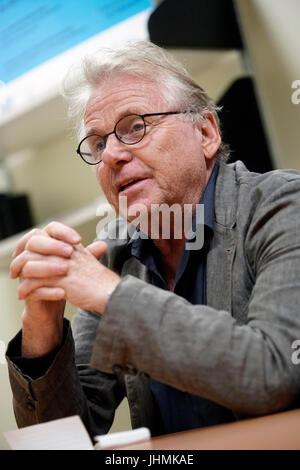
(61, 434)
(122, 438)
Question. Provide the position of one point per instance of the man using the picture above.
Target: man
(194, 335)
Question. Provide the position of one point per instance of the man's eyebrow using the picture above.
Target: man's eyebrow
(92, 130)
(95, 130)
(131, 111)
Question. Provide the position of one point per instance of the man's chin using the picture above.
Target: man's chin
(137, 213)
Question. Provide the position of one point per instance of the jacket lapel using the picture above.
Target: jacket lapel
(218, 274)
(222, 248)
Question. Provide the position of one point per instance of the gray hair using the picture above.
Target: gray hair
(145, 60)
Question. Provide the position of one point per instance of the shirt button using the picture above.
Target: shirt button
(117, 369)
(30, 406)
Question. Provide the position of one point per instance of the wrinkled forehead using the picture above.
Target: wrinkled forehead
(124, 86)
(123, 94)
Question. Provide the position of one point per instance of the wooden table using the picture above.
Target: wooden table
(280, 431)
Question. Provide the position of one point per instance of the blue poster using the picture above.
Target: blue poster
(33, 31)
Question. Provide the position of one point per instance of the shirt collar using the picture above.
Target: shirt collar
(208, 199)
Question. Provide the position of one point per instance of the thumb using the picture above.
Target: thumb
(97, 249)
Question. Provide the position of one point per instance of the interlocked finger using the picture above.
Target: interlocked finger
(47, 293)
(49, 265)
(48, 246)
(44, 269)
(23, 240)
(62, 232)
(28, 286)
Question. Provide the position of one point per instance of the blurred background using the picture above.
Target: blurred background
(243, 52)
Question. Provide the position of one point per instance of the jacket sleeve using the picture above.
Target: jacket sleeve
(201, 350)
(69, 386)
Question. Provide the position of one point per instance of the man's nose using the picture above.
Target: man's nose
(115, 152)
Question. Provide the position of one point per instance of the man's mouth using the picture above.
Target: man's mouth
(130, 183)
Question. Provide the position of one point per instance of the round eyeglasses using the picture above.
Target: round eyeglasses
(129, 130)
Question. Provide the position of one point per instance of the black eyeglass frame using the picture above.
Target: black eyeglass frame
(105, 137)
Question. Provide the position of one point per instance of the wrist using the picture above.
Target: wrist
(41, 333)
(38, 342)
(102, 299)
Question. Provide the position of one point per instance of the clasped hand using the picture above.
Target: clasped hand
(53, 265)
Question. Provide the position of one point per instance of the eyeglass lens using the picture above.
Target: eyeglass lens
(129, 130)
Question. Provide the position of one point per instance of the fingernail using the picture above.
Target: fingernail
(62, 268)
(67, 250)
(75, 239)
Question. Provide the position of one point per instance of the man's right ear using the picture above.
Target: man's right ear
(211, 138)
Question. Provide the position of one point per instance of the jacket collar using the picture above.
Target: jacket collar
(226, 193)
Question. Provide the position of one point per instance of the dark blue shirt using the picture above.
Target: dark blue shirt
(180, 410)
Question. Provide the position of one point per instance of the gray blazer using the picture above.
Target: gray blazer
(235, 351)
